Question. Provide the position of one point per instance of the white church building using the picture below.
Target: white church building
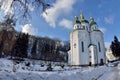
(86, 43)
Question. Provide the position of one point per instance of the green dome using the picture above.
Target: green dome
(77, 22)
(93, 23)
(83, 20)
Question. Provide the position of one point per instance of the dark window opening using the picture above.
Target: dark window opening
(75, 45)
(82, 46)
(90, 63)
(99, 46)
(101, 62)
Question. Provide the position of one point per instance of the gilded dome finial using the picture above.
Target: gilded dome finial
(81, 16)
(91, 19)
(76, 17)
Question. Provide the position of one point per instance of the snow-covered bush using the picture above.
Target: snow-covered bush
(49, 67)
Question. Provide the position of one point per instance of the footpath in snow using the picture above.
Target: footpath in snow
(112, 74)
(20, 71)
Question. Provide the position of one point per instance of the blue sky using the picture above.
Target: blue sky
(60, 18)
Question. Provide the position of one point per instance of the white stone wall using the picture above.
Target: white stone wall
(85, 38)
(77, 56)
(74, 47)
(109, 55)
(96, 39)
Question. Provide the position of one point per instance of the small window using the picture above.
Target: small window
(82, 27)
(75, 45)
(82, 43)
(86, 27)
(89, 51)
(99, 46)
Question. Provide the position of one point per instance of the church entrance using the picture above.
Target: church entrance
(101, 62)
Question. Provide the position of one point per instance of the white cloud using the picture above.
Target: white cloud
(66, 23)
(109, 19)
(103, 29)
(59, 8)
(107, 45)
(27, 28)
(6, 6)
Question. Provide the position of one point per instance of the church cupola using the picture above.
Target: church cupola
(92, 21)
(82, 19)
(84, 22)
(76, 23)
(76, 20)
(93, 24)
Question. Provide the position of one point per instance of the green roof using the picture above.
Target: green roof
(92, 23)
(83, 20)
(77, 22)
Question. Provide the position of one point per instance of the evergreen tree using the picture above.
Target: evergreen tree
(33, 51)
(24, 45)
(21, 46)
(16, 49)
(115, 47)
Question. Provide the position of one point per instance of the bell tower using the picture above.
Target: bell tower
(79, 42)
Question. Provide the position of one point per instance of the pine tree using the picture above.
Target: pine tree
(16, 49)
(24, 45)
(33, 51)
(115, 47)
(21, 46)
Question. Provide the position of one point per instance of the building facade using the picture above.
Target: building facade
(86, 43)
(109, 55)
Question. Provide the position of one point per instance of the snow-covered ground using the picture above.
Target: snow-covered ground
(10, 70)
(113, 73)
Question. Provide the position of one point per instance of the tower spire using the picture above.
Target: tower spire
(76, 17)
(91, 19)
(81, 16)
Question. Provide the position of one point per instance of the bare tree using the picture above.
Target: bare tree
(21, 9)
(7, 35)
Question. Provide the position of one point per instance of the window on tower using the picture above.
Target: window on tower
(86, 27)
(99, 46)
(82, 43)
(74, 45)
(82, 27)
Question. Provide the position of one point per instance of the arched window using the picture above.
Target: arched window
(82, 27)
(74, 45)
(82, 43)
(99, 46)
(86, 28)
